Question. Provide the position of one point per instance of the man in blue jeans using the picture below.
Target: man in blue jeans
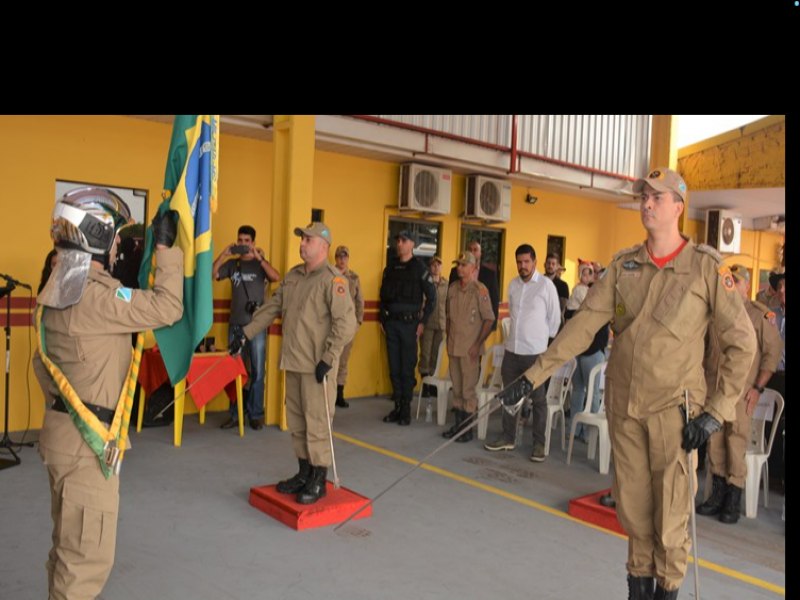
(249, 272)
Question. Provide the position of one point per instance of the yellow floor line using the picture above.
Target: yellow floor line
(766, 585)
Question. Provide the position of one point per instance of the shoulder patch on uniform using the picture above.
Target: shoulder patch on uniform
(338, 279)
(710, 250)
(727, 278)
(124, 294)
(631, 250)
(770, 316)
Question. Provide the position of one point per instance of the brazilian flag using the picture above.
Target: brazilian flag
(190, 188)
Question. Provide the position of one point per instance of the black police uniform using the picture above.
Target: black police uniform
(402, 289)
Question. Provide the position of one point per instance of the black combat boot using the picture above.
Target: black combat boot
(340, 401)
(640, 588)
(662, 594)
(608, 501)
(713, 505)
(298, 482)
(315, 486)
(731, 505)
(467, 435)
(394, 416)
(405, 413)
(456, 426)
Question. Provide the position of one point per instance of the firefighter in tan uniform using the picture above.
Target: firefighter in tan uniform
(469, 322)
(435, 327)
(727, 448)
(660, 297)
(342, 256)
(86, 324)
(318, 321)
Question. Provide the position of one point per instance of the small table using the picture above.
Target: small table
(209, 374)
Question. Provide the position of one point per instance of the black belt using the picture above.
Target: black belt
(406, 317)
(106, 415)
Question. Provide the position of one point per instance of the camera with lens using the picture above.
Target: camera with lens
(251, 306)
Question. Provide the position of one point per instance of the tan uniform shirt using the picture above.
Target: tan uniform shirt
(659, 318)
(467, 308)
(772, 302)
(438, 318)
(768, 348)
(91, 342)
(319, 318)
(355, 293)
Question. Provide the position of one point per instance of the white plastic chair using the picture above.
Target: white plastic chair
(442, 384)
(597, 421)
(486, 392)
(757, 453)
(560, 385)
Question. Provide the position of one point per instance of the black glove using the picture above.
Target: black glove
(515, 392)
(321, 370)
(165, 228)
(698, 430)
(238, 340)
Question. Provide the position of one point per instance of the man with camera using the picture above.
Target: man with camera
(249, 271)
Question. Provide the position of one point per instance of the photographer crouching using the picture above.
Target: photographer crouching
(249, 271)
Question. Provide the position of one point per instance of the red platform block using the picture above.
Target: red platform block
(588, 508)
(333, 508)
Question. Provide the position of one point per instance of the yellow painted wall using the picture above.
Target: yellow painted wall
(357, 194)
(753, 156)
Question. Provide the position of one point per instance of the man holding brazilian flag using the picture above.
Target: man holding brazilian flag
(84, 362)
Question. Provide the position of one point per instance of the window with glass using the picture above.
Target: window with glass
(428, 235)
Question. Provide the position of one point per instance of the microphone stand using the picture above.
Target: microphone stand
(6, 442)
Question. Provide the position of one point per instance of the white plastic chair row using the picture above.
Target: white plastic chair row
(560, 386)
(495, 384)
(442, 384)
(770, 407)
(597, 421)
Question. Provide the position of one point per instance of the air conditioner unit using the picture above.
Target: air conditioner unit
(424, 189)
(488, 199)
(724, 230)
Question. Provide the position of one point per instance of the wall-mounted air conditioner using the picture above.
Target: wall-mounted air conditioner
(488, 199)
(424, 189)
(724, 230)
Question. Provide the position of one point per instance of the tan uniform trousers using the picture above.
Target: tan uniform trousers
(651, 488)
(84, 509)
(305, 415)
(429, 350)
(464, 373)
(727, 448)
(341, 374)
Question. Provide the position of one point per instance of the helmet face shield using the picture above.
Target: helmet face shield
(89, 219)
(86, 222)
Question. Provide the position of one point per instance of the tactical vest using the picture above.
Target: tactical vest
(402, 284)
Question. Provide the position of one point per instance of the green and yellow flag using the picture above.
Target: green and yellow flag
(190, 188)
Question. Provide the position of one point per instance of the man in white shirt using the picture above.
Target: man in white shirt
(535, 318)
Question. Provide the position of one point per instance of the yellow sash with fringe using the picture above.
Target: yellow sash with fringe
(107, 443)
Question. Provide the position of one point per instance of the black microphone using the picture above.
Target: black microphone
(13, 281)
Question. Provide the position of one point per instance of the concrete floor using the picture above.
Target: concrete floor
(479, 525)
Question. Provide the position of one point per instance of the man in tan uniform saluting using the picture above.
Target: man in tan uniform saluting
(319, 320)
(727, 448)
(660, 297)
(469, 322)
(87, 322)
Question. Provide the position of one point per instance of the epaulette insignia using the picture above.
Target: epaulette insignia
(710, 250)
(630, 250)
